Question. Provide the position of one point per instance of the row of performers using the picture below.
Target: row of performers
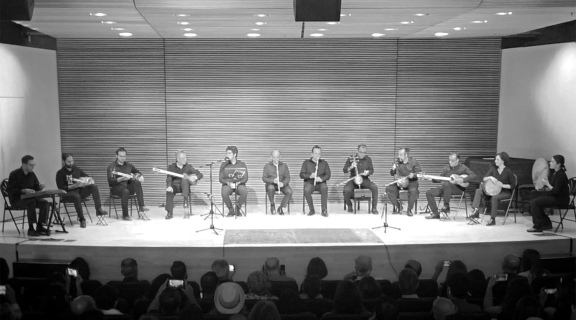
(125, 180)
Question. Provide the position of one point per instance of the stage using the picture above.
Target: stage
(294, 238)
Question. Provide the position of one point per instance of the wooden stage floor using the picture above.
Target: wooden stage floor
(158, 242)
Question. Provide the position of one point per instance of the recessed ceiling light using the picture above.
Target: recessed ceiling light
(332, 23)
(187, 29)
(457, 28)
(182, 15)
(316, 35)
(421, 14)
(108, 22)
(253, 35)
(377, 34)
(190, 34)
(98, 14)
(261, 15)
(390, 29)
(125, 34)
(118, 29)
(407, 22)
(480, 21)
(255, 29)
(441, 34)
(503, 13)
(322, 29)
(184, 23)
(260, 23)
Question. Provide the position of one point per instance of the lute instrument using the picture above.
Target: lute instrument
(84, 180)
(135, 176)
(453, 178)
(192, 177)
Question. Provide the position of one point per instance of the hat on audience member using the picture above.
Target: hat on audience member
(229, 298)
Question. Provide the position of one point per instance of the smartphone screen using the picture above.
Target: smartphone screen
(176, 283)
(501, 277)
(231, 268)
(72, 272)
(282, 269)
(447, 263)
(2, 290)
(550, 291)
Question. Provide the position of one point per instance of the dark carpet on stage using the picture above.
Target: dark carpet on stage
(274, 236)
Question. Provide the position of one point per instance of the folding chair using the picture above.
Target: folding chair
(361, 195)
(570, 206)
(277, 193)
(235, 204)
(66, 202)
(510, 201)
(7, 206)
(111, 202)
(304, 199)
(461, 197)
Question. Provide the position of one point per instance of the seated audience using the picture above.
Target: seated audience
(362, 268)
(222, 270)
(130, 288)
(191, 312)
(510, 266)
(129, 269)
(290, 302)
(369, 288)
(170, 302)
(208, 283)
(476, 283)
(528, 307)
(82, 304)
(310, 288)
(517, 289)
(458, 292)
(106, 298)
(77, 283)
(386, 310)
(348, 299)
(531, 265)
(185, 293)
(318, 267)
(264, 310)
(156, 284)
(57, 301)
(272, 270)
(259, 286)
(456, 266)
(442, 307)
(229, 298)
(415, 266)
(563, 301)
(408, 283)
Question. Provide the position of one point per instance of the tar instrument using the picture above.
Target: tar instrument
(177, 175)
(42, 194)
(358, 178)
(85, 180)
(402, 182)
(278, 175)
(452, 178)
(490, 188)
(540, 170)
(316, 172)
(136, 176)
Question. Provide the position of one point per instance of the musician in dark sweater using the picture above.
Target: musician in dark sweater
(557, 193)
(276, 176)
(409, 167)
(77, 190)
(316, 172)
(122, 186)
(365, 169)
(233, 176)
(448, 187)
(176, 185)
(502, 177)
(22, 181)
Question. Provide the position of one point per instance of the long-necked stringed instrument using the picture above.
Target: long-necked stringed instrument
(137, 176)
(453, 178)
(402, 182)
(84, 180)
(192, 177)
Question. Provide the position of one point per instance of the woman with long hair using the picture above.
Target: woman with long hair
(531, 265)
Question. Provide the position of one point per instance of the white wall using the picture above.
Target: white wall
(29, 112)
(537, 115)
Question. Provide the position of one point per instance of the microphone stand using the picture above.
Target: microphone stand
(385, 225)
(212, 205)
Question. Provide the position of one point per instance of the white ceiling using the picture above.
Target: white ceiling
(236, 18)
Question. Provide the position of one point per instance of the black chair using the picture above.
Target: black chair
(279, 286)
(277, 193)
(328, 288)
(235, 204)
(7, 206)
(427, 288)
(243, 285)
(415, 316)
(415, 304)
(361, 195)
(335, 316)
(217, 316)
(570, 206)
(385, 287)
(318, 306)
(65, 202)
(548, 282)
(131, 199)
(196, 288)
(131, 291)
(299, 316)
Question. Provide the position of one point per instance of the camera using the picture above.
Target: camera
(176, 284)
(501, 277)
(72, 272)
(447, 263)
(231, 268)
(282, 270)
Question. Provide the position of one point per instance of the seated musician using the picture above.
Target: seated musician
(454, 167)
(365, 169)
(69, 179)
(405, 167)
(556, 193)
(180, 185)
(123, 186)
(233, 176)
(276, 176)
(22, 181)
(502, 177)
(316, 172)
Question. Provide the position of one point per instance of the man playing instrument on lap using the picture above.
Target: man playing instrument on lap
(180, 185)
(364, 168)
(405, 167)
(316, 172)
(126, 183)
(233, 176)
(454, 167)
(78, 186)
(22, 181)
(276, 175)
(502, 177)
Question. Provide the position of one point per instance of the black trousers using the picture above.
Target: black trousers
(494, 200)
(537, 206)
(240, 190)
(30, 205)
(309, 188)
(393, 193)
(271, 189)
(366, 184)
(183, 187)
(133, 187)
(76, 195)
(445, 190)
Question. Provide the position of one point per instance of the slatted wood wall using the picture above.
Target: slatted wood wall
(203, 95)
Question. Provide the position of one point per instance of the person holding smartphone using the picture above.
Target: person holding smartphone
(276, 271)
(176, 281)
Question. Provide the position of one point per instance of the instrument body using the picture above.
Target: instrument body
(358, 178)
(137, 176)
(178, 175)
(85, 180)
(452, 178)
(540, 171)
(490, 188)
(42, 194)
(316, 172)
(278, 176)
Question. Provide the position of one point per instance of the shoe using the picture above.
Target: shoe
(350, 209)
(311, 213)
(325, 213)
(168, 216)
(272, 209)
(409, 213)
(492, 222)
(185, 203)
(126, 218)
(238, 211)
(42, 231)
(101, 212)
(445, 209)
(144, 209)
(374, 211)
(548, 227)
(83, 223)
(475, 214)
(231, 212)
(32, 233)
(433, 216)
(534, 229)
(280, 211)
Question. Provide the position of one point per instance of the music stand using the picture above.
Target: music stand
(385, 209)
(212, 205)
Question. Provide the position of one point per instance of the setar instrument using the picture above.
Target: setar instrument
(358, 179)
(192, 177)
(278, 175)
(401, 182)
(137, 176)
(454, 178)
(85, 180)
(316, 172)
